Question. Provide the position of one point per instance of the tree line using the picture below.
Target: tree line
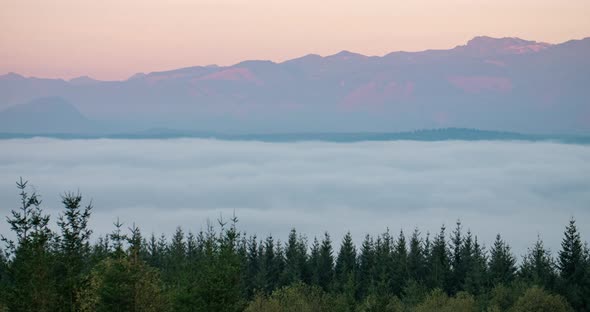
(223, 269)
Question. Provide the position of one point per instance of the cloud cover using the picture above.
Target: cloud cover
(519, 189)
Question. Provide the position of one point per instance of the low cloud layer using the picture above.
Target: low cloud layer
(519, 189)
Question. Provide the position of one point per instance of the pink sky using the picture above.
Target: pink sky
(113, 39)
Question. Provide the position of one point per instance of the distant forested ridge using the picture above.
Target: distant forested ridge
(223, 269)
(428, 135)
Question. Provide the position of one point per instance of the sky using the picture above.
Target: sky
(518, 189)
(114, 39)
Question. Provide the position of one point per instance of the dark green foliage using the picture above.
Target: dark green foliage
(31, 286)
(325, 264)
(439, 267)
(74, 249)
(365, 276)
(416, 259)
(573, 269)
(502, 267)
(400, 274)
(538, 268)
(221, 269)
(476, 267)
(345, 263)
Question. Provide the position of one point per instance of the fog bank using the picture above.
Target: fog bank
(519, 189)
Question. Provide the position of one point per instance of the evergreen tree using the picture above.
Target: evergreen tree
(383, 266)
(573, 269)
(502, 266)
(154, 253)
(416, 258)
(345, 263)
(538, 268)
(325, 266)
(32, 286)
(458, 261)
(271, 266)
(438, 262)
(135, 242)
(74, 249)
(312, 264)
(253, 278)
(118, 239)
(400, 274)
(365, 277)
(476, 266)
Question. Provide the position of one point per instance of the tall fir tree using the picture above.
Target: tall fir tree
(416, 258)
(538, 267)
(33, 285)
(573, 269)
(325, 266)
(502, 265)
(439, 263)
(346, 265)
(365, 275)
(400, 273)
(74, 249)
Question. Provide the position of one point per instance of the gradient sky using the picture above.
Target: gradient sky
(113, 39)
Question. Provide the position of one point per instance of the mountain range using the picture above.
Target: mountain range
(505, 84)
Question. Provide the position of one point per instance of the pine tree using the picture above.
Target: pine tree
(32, 287)
(458, 259)
(400, 274)
(74, 249)
(573, 269)
(502, 266)
(270, 266)
(313, 262)
(416, 258)
(438, 262)
(295, 257)
(135, 244)
(365, 278)
(253, 278)
(154, 253)
(345, 263)
(476, 274)
(325, 267)
(538, 268)
(118, 239)
(383, 266)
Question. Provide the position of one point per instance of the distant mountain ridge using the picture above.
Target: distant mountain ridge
(45, 115)
(509, 84)
(429, 135)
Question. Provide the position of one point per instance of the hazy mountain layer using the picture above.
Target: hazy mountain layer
(506, 84)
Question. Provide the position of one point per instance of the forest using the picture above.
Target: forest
(223, 269)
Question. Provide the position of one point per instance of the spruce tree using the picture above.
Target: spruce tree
(365, 276)
(502, 266)
(458, 259)
(32, 285)
(74, 249)
(438, 262)
(400, 274)
(573, 269)
(476, 274)
(325, 266)
(345, 263)
(416, 258)
(295, 256)
(270, 267)
(538, 267)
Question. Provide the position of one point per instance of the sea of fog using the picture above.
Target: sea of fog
(520, 189)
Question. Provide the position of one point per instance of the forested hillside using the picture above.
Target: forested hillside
(223, 269)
